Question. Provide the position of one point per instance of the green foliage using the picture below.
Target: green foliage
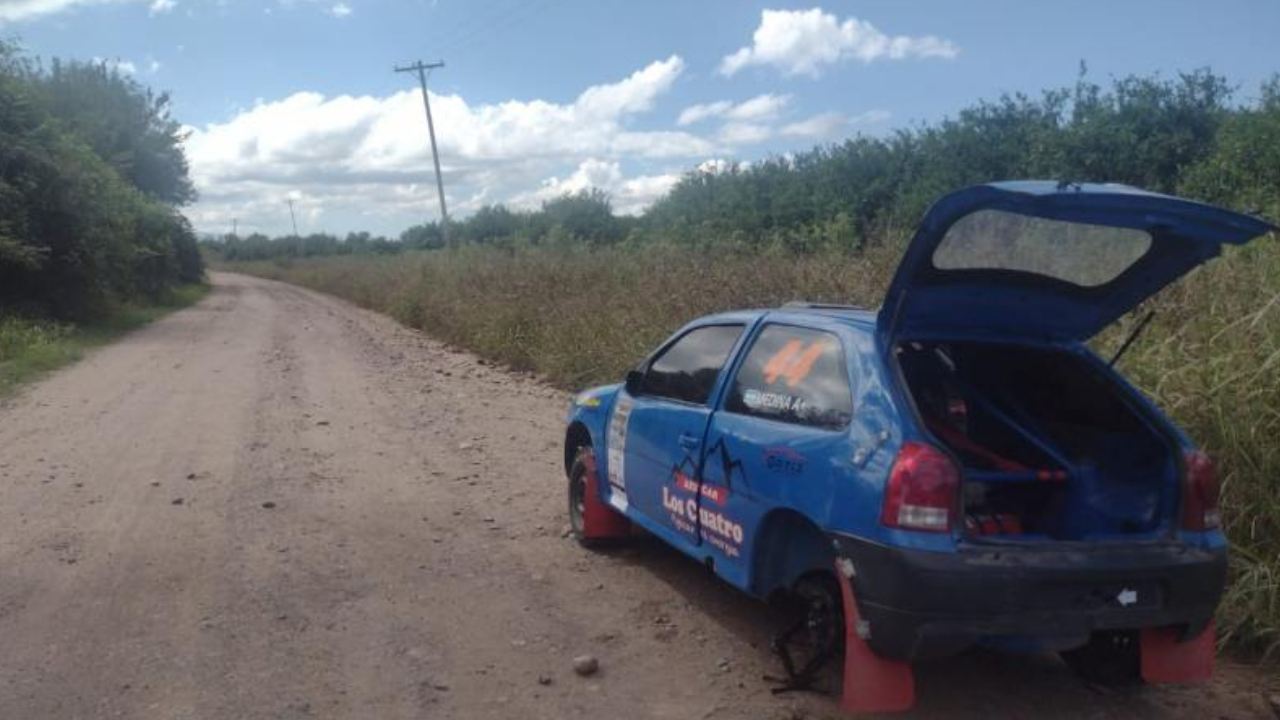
(75, 235)
(30, 348)
(125, 123)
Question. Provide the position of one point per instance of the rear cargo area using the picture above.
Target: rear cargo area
(1050, 446)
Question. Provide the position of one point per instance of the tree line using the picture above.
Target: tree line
(1192, 134)
(92, 176)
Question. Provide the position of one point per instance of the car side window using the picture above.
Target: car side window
(687, 370)
(794, 375)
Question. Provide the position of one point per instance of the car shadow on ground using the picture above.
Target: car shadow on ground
(978, 683)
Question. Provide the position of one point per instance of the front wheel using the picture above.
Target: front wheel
(578, 473)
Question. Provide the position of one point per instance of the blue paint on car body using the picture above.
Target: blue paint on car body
(763, 442)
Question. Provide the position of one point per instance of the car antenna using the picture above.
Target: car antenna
(1142, 325)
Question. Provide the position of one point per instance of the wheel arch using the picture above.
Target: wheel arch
(577, 436)
(787, 546)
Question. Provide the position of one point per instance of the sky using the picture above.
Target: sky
(297, 99)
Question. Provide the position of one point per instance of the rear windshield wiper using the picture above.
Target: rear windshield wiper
(1132, 336)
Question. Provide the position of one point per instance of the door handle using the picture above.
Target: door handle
(689, 442)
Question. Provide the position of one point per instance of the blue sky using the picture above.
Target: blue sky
(296, 98)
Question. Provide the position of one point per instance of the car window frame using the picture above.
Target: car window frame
(730, 361)
(722, 406)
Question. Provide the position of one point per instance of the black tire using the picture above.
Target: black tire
(577, 498)
(1112, 658)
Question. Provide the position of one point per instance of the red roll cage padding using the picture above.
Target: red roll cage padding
(955, 439)
(599, 520)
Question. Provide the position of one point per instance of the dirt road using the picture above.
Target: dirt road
(275, 505)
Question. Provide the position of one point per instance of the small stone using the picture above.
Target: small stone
(544, 679)
(268, 505)
(322, 423)
(465, 446)
(191, 476)
(177, 501)
(440, 687)
(723, 664)
(586, 665)
(155, 483)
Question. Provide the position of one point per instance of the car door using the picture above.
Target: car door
(779, 441)
(666, 424)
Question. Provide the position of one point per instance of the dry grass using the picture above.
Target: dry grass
(577, 316)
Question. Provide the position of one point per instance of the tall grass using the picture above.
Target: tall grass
(578, 316)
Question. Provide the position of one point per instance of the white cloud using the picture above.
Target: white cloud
(162, 6)
(743, 133)
(823, 125)
(340, 10)
(370, 154)
(832, 124)
(153, 66)
(14, 10)
(803, 42)
(630, 195)
(760, 108)
(698, 113)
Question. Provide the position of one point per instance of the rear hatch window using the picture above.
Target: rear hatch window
(1078, 253)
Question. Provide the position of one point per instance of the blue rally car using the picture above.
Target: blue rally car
(957, 468)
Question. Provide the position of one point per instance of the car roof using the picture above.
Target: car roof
(800, 313)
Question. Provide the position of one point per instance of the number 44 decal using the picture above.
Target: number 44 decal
(793, 362)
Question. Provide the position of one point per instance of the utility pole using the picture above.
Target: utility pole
(423, 69)
(293, 218)
(235, 225)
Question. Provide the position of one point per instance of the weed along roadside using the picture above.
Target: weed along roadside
(30, 348)
(582, 317)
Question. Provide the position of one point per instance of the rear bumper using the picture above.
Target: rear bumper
(926, 604)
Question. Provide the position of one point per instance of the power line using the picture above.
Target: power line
(293, 218)
(422, 69)
(494, 29)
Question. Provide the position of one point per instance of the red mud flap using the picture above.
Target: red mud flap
(1166, 660)
(871, 683)
(599, 521)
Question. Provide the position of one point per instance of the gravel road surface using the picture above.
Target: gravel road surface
(276, 505)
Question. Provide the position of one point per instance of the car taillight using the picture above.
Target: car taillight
(922, 490)
(1199, 493)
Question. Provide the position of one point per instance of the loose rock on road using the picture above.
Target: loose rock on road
(276, 505)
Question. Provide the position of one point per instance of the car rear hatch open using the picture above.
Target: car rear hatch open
(1045, 260)
(999, 285)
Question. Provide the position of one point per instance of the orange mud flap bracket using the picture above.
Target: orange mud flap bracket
(871, 683)
(599, 520)
(1167, 658)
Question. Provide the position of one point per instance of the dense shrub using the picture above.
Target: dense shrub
(85, 223)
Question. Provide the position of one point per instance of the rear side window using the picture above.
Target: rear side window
(794, 375)
(687, 370)
(1078, 253)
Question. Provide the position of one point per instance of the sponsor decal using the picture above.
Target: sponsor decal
(794, 361)
(775, 403)
(720, 451)
(586, 400)
(784, 460)
(616, 443)
(714, 493)
(688, 515)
